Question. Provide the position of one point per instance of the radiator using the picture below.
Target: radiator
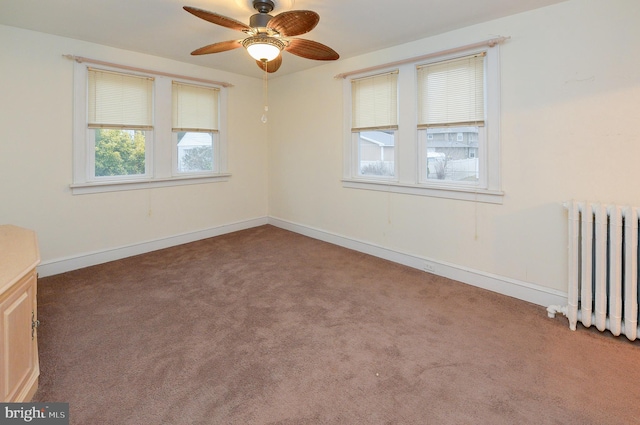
(603, 268)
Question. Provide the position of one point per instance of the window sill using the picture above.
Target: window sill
(114, 186)
(459, 193)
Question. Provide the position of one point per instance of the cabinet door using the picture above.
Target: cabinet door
(17, 342)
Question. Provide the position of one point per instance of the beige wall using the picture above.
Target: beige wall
(36, 156)
(570, 114)
(570, 109)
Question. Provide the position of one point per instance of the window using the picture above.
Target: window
(451, 104)
(139, 129)
(446, 134)
(195, 128)
(374, 124)
(119, 124)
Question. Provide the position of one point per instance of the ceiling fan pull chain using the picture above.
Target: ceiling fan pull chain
(266, 93)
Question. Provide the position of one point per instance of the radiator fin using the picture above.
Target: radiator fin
(603, 268)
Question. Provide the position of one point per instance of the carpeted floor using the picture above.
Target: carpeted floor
(265, 326)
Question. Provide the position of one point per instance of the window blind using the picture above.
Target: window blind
(195, 108)
(451, 93)
(375, 102)
(117, 100)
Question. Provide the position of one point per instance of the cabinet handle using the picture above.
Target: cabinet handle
(34, 324)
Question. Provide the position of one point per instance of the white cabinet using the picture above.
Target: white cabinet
(19, 367)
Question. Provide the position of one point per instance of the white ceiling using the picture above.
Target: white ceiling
(163, 28)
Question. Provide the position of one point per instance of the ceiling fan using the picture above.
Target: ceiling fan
(268, 35)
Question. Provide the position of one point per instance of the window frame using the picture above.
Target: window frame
(211, 128)
(389, 124)
(407, 142)
(91, 158)
(160, 155)
(357, 165)
(423, 163)
(215, 151)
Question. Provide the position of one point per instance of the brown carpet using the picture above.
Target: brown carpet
(265, 326)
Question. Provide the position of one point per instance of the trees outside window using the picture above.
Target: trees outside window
(119, 152)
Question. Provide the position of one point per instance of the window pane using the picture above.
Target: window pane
(451, 153)
(376, 153)
(119, 152)
(195, 152)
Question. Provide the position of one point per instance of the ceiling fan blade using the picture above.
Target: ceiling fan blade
(272, 65)
(217, 19)
(294, 22)
(223, 46)
(311, 50)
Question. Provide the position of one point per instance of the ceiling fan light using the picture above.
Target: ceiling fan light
(266, 52)
(263, 48)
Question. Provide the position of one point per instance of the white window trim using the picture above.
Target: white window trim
(407, 179)
(160, 157)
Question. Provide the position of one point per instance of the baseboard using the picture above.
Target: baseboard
(61, 265)
(526, 291)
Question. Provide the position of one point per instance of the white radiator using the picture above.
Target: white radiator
(603, 268)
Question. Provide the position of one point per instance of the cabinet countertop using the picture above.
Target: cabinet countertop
(19, 254)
